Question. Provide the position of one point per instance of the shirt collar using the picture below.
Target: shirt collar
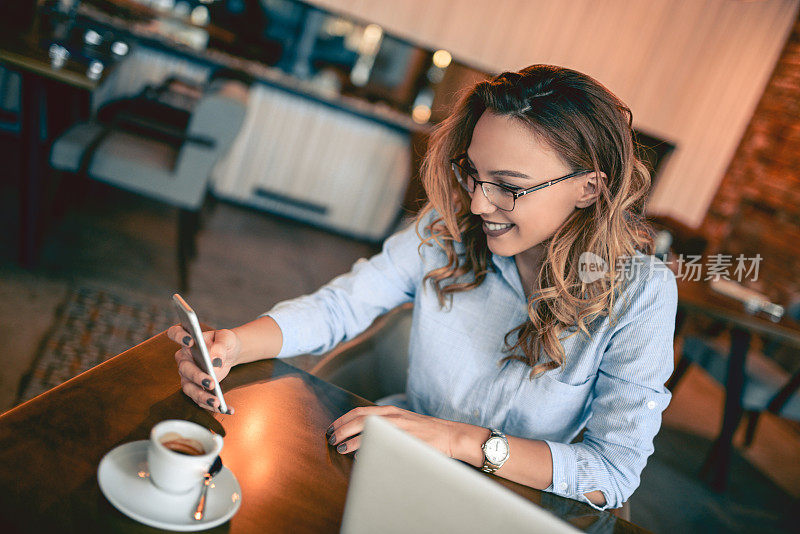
(508, 270)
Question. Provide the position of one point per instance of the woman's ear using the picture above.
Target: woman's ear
(589, 189)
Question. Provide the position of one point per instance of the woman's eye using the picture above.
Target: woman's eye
(473, 172)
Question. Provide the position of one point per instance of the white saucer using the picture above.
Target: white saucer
(124, 480)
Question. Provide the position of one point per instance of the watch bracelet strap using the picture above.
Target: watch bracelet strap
(489, 467)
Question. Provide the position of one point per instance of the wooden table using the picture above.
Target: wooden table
(292, 481)
(699, 298)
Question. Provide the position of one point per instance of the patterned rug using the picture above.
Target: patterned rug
(91, 326)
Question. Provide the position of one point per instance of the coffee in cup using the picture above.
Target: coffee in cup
(180, 453)
(182, 445)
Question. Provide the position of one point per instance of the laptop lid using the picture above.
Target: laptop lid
(400, 484)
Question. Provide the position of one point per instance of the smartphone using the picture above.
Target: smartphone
(191, 324)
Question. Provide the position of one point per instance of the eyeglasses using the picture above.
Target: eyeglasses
(503, 197)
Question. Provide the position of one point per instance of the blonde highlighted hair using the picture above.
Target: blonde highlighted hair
(589, 128)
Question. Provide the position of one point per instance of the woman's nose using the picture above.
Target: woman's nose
(479, 203)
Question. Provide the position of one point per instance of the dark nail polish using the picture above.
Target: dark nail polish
(342, 447)
(329, 431)
(207, 383)
(186, 340)
(332, 439)
(210, 401)
(216, 362)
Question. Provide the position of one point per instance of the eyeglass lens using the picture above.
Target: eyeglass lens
(499, 197)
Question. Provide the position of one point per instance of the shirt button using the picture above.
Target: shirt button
(651, 404)
(562, 486)
(476, 413)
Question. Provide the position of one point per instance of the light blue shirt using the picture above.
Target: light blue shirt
(611, 384)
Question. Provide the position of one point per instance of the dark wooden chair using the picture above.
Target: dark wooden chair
(754, 384)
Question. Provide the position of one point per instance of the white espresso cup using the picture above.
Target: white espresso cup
(175, 472)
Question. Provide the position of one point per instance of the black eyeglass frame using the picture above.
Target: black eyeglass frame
(515, 192)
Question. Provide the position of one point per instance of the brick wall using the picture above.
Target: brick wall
(757, 207)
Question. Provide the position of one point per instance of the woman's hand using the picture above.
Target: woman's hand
(438, 433)
(224, 347)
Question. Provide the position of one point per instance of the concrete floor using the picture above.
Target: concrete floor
(247, 262)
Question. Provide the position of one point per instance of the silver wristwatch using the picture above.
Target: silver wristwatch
(495, 451)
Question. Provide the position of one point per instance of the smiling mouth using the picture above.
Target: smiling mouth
(497, 226)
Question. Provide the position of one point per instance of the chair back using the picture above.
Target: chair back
(374, 364)
(218, 117)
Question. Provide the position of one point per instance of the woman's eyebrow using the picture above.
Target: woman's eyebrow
(511, 174)
(504, 172)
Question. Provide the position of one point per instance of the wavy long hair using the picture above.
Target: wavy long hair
(589, 128)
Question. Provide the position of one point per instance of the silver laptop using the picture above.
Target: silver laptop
(401, 484)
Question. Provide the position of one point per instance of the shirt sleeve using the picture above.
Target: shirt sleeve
(629, 398)
(347, 305)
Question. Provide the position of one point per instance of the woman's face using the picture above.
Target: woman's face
(502, 146)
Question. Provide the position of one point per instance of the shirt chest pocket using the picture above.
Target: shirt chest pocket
(547, 408)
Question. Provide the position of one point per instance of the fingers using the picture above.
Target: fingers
(221, 344)
(362, 411)
(177, 334)
(190, 371)
(351, 445)
(343, 433)
(203, 399)
(207, 401)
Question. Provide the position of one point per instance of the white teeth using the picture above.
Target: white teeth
(494, 227)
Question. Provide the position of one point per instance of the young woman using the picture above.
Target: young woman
(538, 308)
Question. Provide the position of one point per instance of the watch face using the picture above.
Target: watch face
(496, 450)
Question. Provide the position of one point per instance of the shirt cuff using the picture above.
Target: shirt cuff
(291, 330)
(565, 466)
(565, 474)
